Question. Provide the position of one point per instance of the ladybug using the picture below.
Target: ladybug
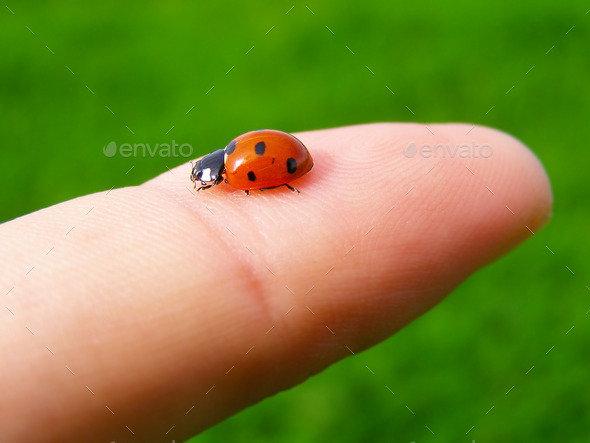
(262, 159)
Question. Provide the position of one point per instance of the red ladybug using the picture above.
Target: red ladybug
(263, 159)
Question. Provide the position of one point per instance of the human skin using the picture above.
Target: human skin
(158, 311)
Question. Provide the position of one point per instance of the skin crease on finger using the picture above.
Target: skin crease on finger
(163, 307)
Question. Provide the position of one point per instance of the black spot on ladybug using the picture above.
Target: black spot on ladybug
(291, 165)
(251, 176)
(259, 148)
(273, 161)
(229, 149)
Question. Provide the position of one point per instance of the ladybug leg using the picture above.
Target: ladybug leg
(205, 186)
(274, 187)
(292, 188)
(247, 192)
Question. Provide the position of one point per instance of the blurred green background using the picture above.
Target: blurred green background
(151, 62)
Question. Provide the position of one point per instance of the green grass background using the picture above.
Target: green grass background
(150, 62)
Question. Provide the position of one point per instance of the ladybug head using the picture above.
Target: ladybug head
(209, 170)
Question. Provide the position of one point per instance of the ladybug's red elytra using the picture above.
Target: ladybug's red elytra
(262, 159)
